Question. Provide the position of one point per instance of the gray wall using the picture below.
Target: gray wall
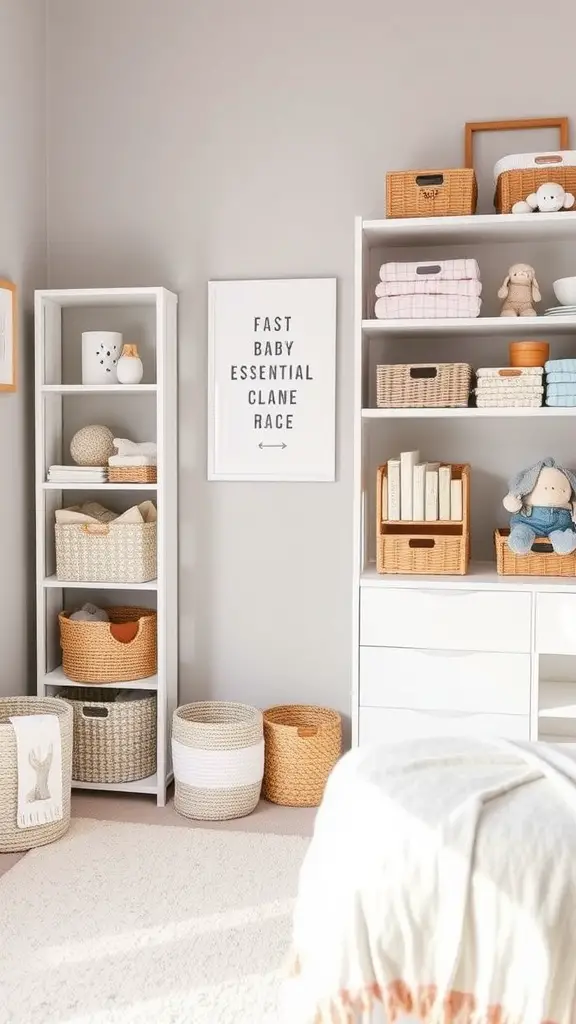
(23, 260)
(217, 139)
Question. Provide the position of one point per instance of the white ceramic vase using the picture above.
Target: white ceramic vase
(100, 354)
(130, 369)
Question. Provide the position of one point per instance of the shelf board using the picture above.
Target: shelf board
(98, 389)
(542, 412)
(474, 229)
(480, 576)
(557, 700)
(149, 785)
(78, 486)
(57, 678)
(53, 581)
(91, 297)
(483, 326)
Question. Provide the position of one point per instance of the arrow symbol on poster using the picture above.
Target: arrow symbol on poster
(262, 445)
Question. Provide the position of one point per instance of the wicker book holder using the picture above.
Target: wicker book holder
(425, 548)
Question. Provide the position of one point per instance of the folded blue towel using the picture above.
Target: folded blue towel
(563, 377)
(564, 401)
(561, 389)
(561, 365)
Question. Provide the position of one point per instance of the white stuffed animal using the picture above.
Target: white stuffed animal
(549, 198)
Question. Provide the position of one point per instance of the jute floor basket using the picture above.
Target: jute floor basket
(94, 652)
(12, 838)
(303, 743)
(114, 734)
(218, 756)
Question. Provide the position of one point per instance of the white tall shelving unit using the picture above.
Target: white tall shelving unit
(482, 653)
(62, 405)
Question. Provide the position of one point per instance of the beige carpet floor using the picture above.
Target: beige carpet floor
(134, 924)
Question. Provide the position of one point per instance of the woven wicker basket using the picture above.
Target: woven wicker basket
(514, 186)
(12, 838)
(106, 552)
(541, 561)
(114, 734)
(132, 474)
(423, 386)
(218, 756)
(452, 192)
(91, 653)
(303, 743)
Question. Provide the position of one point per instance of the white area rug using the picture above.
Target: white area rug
(126, 924)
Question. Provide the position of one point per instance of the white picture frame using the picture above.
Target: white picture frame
(272, 380)
(8, 340)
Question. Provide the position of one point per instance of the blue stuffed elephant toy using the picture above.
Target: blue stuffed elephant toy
(542, 500)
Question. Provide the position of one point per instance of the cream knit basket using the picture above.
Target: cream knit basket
(218, 757)
(12, 838)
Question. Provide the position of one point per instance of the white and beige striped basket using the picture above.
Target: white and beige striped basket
(12, 838)
(218, 757)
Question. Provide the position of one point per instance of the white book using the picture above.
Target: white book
(444, 481)
(407, 462)
(384, 497)
(456, 508)
(394, 489)
(431, 498)
(418, 490)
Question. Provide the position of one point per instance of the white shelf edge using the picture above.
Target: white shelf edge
(48, 485)
(541, 412)
(145, 786)
(98, 389)
(52, 581)
(492, 325)
(481, 576)
(57, 678)
(473, 229)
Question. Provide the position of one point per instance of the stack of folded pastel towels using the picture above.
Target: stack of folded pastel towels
(505, 387)
(561, 382)
(445, 288)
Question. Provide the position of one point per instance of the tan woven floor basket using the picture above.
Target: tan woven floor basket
(218, 757)
(423, 386)
(132, 474)
(424, 548)
(542, 560)
(303, 743)
(514, 186)
(443, 193)
(12, 838)
(91, 653)
(114, 734)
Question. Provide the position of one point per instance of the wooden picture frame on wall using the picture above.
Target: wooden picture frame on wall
(523, 124)
(8, 336)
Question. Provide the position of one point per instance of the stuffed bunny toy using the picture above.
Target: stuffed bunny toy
(542, 500)
(549, 198)
(520, 290)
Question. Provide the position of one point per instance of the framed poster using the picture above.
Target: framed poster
(272, 380)
(7, 336)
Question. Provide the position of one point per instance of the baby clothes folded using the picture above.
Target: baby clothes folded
(558, 389)
(471, 288)
(417, 306)
(561, 382)
(83, 474)
(439, 270)
(565, 401)
(561, 366)
(563, 377)
(414, 291)
(132, 460)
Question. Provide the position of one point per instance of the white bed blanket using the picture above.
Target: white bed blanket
(441, 883)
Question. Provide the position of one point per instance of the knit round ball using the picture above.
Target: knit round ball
(92, 446)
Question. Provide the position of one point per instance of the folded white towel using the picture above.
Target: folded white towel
(39, 763)
(132, 460)
(77, 470)
(125, 447)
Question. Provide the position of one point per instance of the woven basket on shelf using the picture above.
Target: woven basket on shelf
(516, 185)
(91, 653)
(303, 743)
(114, 734)
(452, 192)
(541, 561)
(132, 474)
(106, 552)
(218, 756)
(12, 838)
(423, 386)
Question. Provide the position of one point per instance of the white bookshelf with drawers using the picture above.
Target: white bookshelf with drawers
(479, 654)
(143, 411)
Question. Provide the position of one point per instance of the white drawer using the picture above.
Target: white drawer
(445, 619)
(383, 725)
(556, 623)
(392, 677)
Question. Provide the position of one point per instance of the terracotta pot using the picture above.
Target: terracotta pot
(529, 353)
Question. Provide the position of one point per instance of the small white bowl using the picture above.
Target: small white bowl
(565, 291)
